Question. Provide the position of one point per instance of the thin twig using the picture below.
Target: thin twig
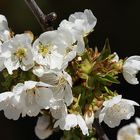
(45, 21)
(100, 132)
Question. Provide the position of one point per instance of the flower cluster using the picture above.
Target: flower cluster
(59, 76)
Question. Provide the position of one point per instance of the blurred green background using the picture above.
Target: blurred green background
(119, 20)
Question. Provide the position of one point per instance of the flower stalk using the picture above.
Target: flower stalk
(99, 130)
(44, 20)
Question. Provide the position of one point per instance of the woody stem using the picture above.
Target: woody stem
(44, 20)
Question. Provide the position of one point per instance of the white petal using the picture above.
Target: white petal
(10, 65)
(41, 129)
(112, 101)
(12, 112)
(38, 71)
(43, 97)
(68, 97)
(82, 125)
(102, 114)
(3, 23)
(43, 134)
(89, 118)
(29, 84)
(66, 123)
(137, 121)
(59, 112)
(43, 122)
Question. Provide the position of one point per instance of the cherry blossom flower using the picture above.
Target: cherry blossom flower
(129, 131)
(71, 121)
(17, 53)
(130, 69)
(50, 49)
(9, 104)
(115, 110)
(84, 21)
(27, 99)
(80, 24)
(62, 83)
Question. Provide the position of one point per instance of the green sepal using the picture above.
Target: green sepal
(108, 79)
(105, 52)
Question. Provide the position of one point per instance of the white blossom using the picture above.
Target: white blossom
(10, 105)
(128, 132)
(130, 69)
(80, 24)
(80, 45)
(51, 50)
(59, 111)
(115, 110)
(62, 83)
(27, 99)
(17, 53)
(71, 121)
(42, 129)
(84, 21)
(4, 29)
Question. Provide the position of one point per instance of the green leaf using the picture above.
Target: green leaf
(112, 79)
(108, 78)
(106, 51)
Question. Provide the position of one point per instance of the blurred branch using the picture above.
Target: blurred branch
(100, 132)
(45, 21)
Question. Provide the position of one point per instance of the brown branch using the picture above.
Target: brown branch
(45, 21)
(99, 130)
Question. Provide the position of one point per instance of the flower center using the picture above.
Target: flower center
(21, 53)
(117, 108)
(44, 49)
(62, 81)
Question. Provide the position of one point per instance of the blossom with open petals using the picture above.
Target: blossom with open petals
(115, 110)
(50, 50)
(84, 21)
(27, 99)
(17, 53)
(80, 24)
(130, 69)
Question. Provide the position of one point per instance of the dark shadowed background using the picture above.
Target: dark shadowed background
(119, 20)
